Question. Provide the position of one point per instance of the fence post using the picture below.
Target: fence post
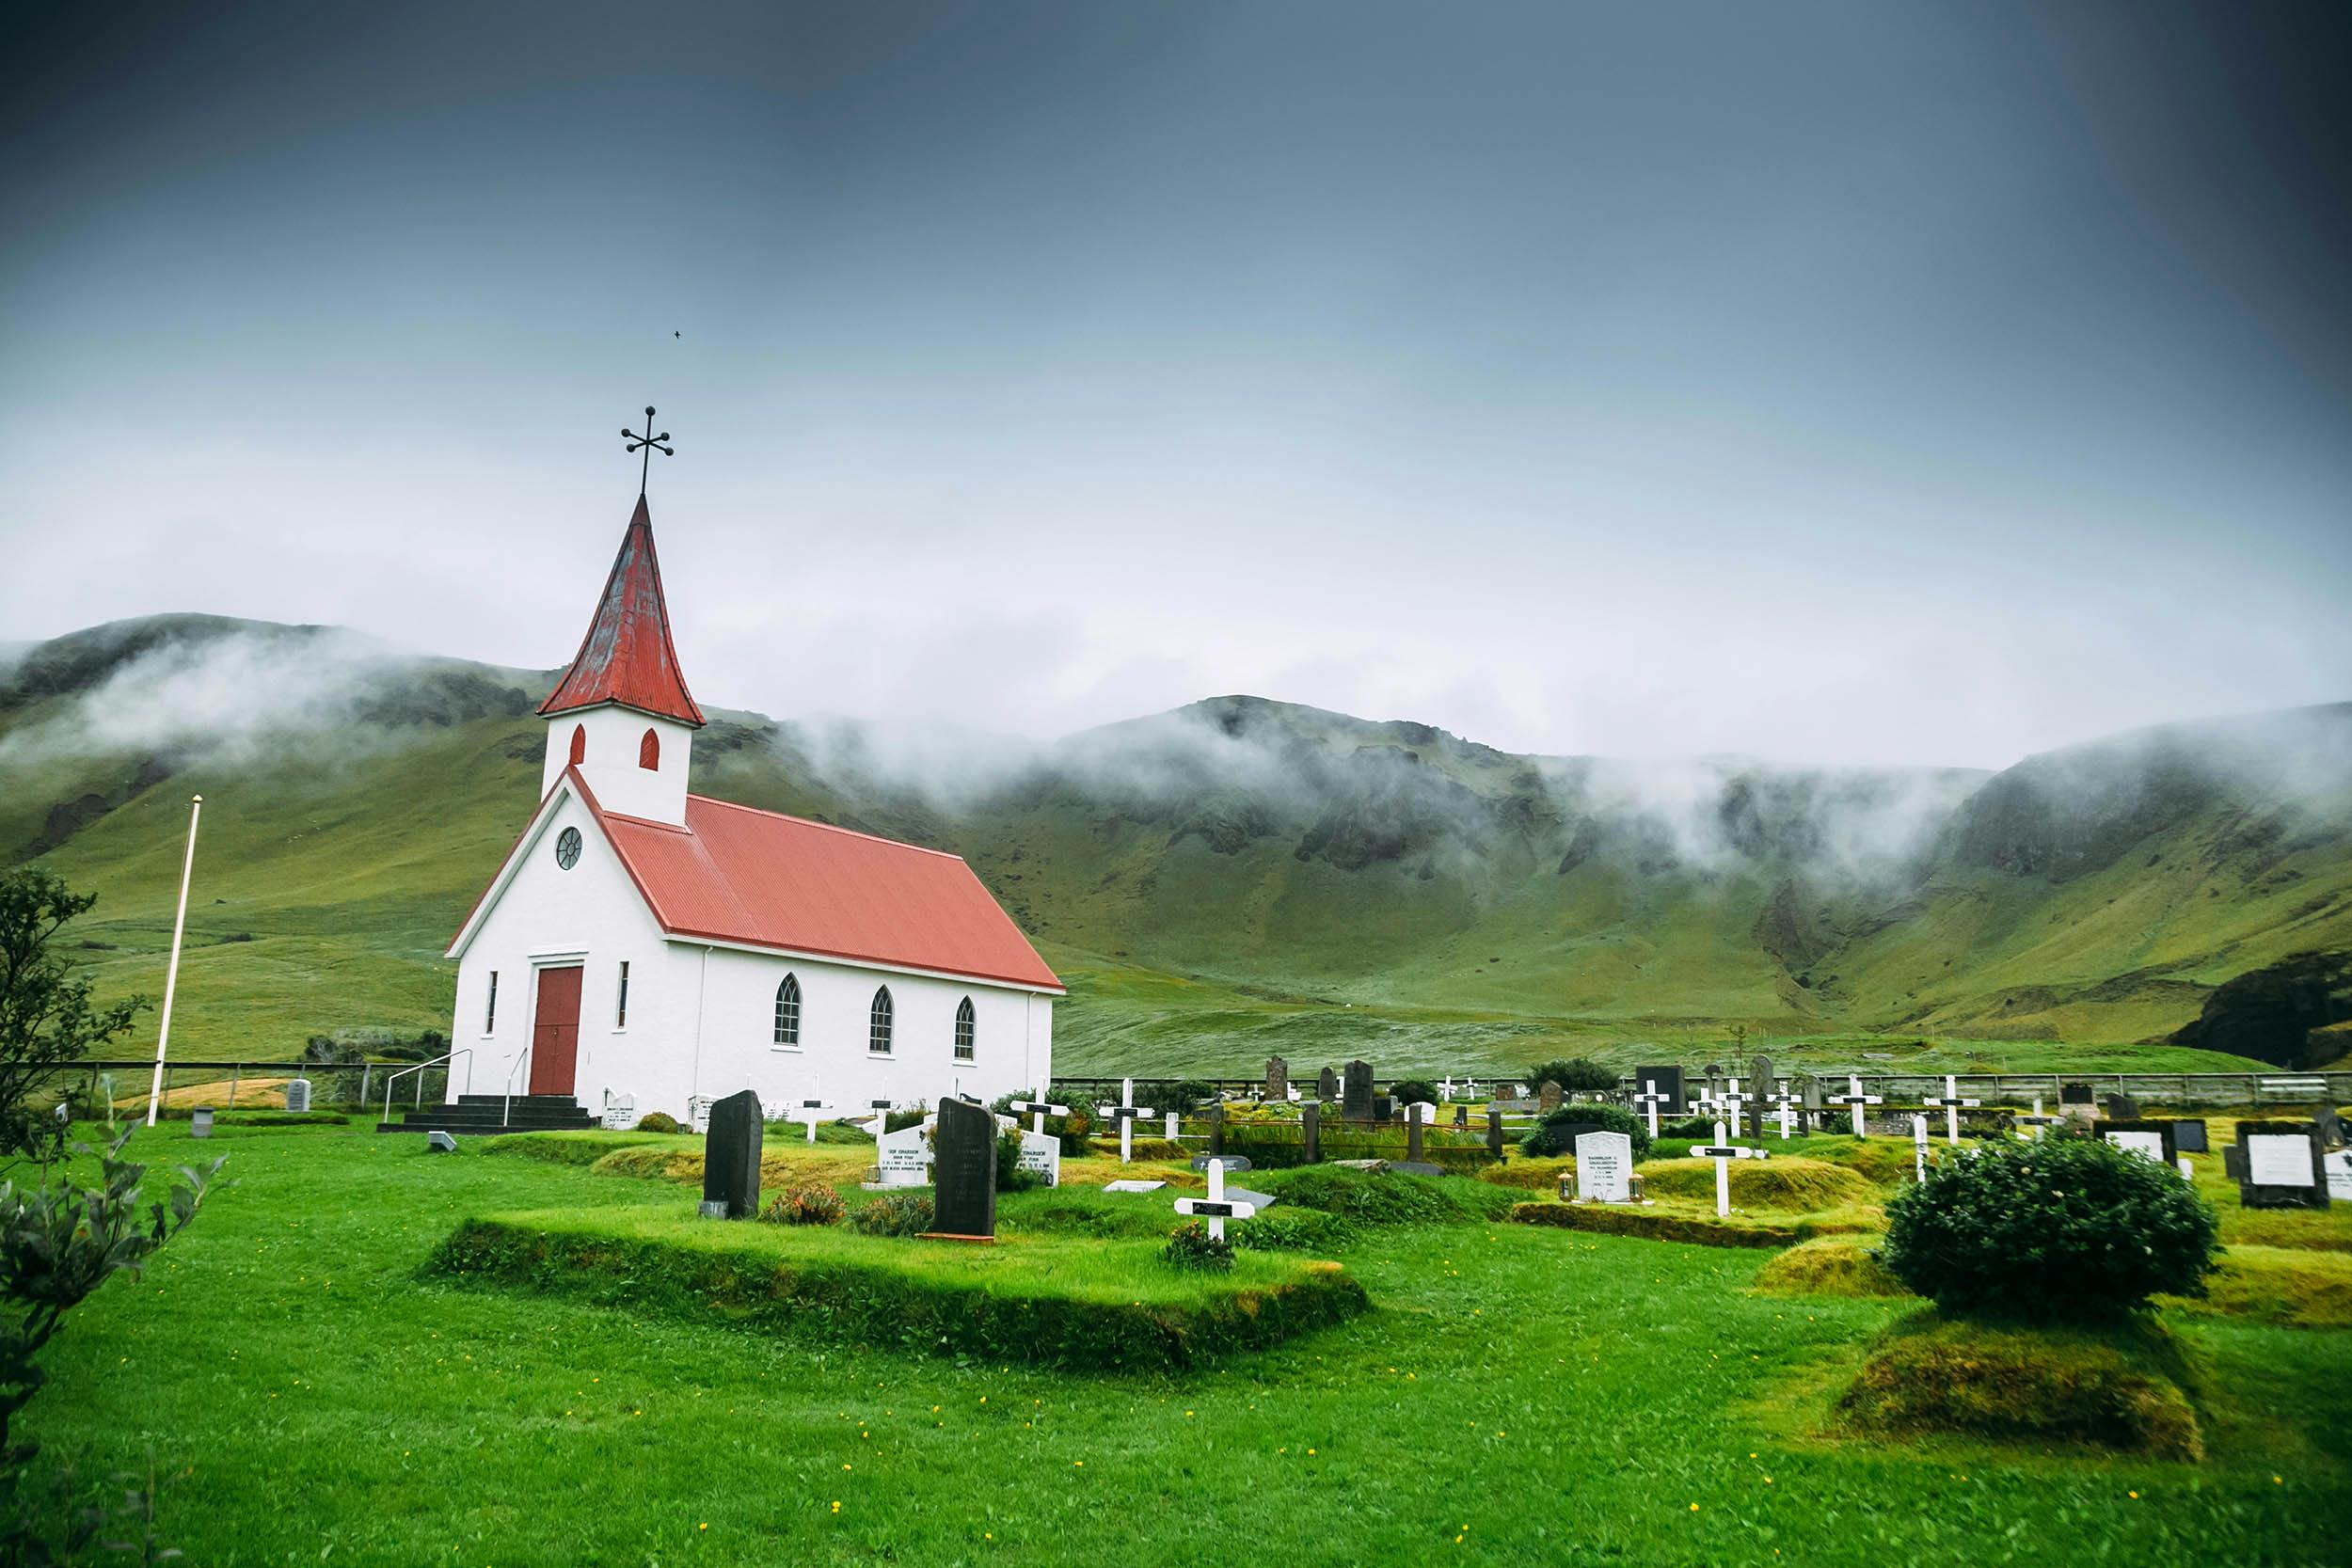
(236, 1069)
(367, 1076)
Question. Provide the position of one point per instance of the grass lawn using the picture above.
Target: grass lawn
(1515, 1395)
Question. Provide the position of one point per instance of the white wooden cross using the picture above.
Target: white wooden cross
(1722, 1153)
(1706, 1105)
(1787, 1103)
(1124, 1112)
(1649, 1100)
(1856, 1098)
(2040, 1123)
(1038, 1111)
(1952, 1103)
(1919, 1146)
(881, 1122)
(1213, 1208)
(1731, 1101)
(1445, 1089)
(812, 1112)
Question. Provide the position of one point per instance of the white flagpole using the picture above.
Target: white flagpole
(171, 975)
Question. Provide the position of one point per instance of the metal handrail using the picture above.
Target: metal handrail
(451, 1056)
(506, 1105)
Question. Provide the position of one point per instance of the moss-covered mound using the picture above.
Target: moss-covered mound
(1088, 1306)
(1530, 1176)
(1671, 1225)
(1830, 1266)
(2120, 1391)
(1370, 1197)
(2287, 1286)
(582, 1147)
(1795, 1187)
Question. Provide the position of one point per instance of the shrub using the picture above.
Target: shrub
(2067, 1227)
(895, 1214)
(1574, 1074)
(1413, 1091)
(1551, 1135)
(809, 1204)
(657, 1121)
(1191, 1246)
(1011, 1178)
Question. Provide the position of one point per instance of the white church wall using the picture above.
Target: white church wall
(548, 917)
(615, 737)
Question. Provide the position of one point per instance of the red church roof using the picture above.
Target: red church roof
(626, 656)
(733, 874)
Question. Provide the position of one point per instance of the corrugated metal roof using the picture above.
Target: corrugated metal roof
(626, 656)
(735, 874)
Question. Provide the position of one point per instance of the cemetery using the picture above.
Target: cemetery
(789, 1349)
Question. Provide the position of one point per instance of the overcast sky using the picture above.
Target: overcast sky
(1828, 383)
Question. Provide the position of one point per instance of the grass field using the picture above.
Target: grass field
(1515, 1395)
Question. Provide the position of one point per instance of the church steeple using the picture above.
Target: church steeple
(627, 657)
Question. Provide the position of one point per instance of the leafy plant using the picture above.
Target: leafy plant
(59, 1243)
(1191, 1246)
(1011, 1178)
(1551, 1135)
(1414, 1091)
(46, 1020)
(811, 1203)
(1574, 1074)
(895, 1214)
(657, 1121)
(2067, 1227)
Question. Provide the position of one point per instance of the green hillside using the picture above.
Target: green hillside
(1237, 878)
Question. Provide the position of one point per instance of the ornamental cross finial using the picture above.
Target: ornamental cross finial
(647, 443)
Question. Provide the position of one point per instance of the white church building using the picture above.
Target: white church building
(644, 943)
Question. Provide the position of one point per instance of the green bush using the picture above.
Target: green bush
(2067, 1227)
(1551, 1135)
(1413, 1091)
(1011, 1178)
(810, 1204)
(1191, 1246)
(1574, 1074)
(895, 1214)
(657, 1121)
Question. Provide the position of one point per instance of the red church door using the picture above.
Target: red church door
(555, 1032)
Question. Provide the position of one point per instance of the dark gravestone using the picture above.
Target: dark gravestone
(1669, 1081)
(2076, 1094)
(963, 1166)
(1572, 1131)
(1310, 1132)
(1548, 1096)
(2135, 1136)
(1230, 1161)
(2188, 1137)
(2279, 1165)
(1412, 1135)
(731, 1158)
(1494, 1133)
(1461, 1118)
(1277, 1079)
(1327, 1085)
(2122, 1107)
(1356, 1103)
(2331, 1126)
(1384, 1108)
(1217, 1128)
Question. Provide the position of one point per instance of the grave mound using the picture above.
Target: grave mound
(2119, 1390)
(1830, 1266)
(1530, 1175)
(1795, 1187)
(1086, 1304)
(584, 1147)
(1380, 1197)
(2285, 1287)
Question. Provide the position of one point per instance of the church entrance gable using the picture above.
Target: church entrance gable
(555, 1032)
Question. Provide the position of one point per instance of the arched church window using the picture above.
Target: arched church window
(877, 1023)
(579, 744)
(966, 1030)
(788, 1012)
(649, 751)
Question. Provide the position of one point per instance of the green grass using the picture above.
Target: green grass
(1548, 1397)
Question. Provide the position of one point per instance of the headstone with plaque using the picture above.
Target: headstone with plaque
(620, 1113)
(2279, 1165)
(1356, 1092)
(1040, 1156)
(2188, 1136)
(1604, 1167)
(298, 1094)
(2150, 1140)
(964, 1151)
(903, 1159)
(1666, 1081)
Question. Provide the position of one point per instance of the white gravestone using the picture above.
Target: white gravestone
(1040, 1155)
(1214, 1208)
(2274, 1161)
(1604, 1167)
(2339, 1164)
(903, 1159)
(698, 1113)
(1919, 1147)
(620, 1114)
(2148, 1145)
(298, 1094)
(1133, 1186)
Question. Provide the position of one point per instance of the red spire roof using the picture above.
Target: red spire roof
(626, 656)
